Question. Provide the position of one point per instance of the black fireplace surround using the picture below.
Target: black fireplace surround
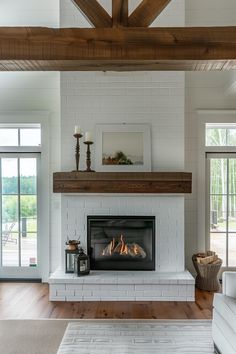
(121, 242)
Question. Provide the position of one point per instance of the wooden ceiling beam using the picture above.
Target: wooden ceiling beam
(94, 13)
(117, 49)
(147, 12)
(120, 12)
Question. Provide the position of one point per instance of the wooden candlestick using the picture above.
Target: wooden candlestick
(77, 150)
(88, 159)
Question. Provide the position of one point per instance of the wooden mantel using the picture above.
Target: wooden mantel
(122, 182)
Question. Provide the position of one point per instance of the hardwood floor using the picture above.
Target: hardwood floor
(30, 301)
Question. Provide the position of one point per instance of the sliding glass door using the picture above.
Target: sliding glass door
(19, 246)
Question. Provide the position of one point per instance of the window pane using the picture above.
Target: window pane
(231, 137)
(218, 245)
(9, 176)
(10, 249)
(216, 137)
(218, 213)
(28, 205)
(232, 250)
(232, 213)
(218, 183)
(232, 176)
(28, 172)
(9, 211)
(8, 137)
(29, 250)
(28, 224)
(30, 137)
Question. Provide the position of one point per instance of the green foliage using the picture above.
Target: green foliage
(27, 185)
(122, 159)
(28, 203)
(28, 206)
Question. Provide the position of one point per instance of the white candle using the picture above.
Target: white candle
(88, 137)
(77, 129)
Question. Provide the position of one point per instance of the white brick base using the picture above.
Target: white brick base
(122, 286)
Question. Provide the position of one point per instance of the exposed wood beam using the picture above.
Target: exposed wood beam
(32, 48)
(147, 12)
(94, 13)
(120, 11)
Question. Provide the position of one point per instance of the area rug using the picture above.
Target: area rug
(31, 336)
(137, 337)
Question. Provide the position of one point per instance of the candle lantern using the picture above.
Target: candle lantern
(69, 260)
(81, 263)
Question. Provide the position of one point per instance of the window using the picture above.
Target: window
(220, 134)
(20, 151)
(18, 209)
(221, 166)
(223, 206)
(21, 135)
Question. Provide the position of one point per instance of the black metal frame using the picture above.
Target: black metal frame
(122, 265)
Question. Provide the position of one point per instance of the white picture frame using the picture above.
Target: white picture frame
(133, 140)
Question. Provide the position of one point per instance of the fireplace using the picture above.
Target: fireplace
(121, 242)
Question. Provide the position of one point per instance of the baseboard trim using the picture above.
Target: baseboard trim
(21, 280)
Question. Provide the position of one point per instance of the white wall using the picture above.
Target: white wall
(28, 91)
(173, 15)
(25, 91)
(204, 90)
(210, 13)
(29, 13)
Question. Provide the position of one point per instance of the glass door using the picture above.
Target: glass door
(222, 206)
(19, 215)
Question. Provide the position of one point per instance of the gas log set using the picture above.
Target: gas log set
(121, 248)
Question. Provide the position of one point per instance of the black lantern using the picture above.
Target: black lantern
(69, 261)
(82, 263)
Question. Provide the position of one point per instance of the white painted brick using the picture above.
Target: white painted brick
(53, 288)
(57, 298)
(65, 293)
(92, 298)
(190, 299)
(75, 287)
(84, 293)
(74, 298)
(119, 292)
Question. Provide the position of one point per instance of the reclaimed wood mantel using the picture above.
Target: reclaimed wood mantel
(122, 182)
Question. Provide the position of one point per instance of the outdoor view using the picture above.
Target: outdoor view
(19, 211)
(223, 197)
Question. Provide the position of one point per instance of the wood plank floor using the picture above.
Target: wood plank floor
(30, 301)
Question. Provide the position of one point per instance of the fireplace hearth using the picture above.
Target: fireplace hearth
(121, 242)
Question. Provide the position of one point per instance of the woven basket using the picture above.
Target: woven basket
(207, 275)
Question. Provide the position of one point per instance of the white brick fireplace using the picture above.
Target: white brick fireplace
(167, 210)
(169, 281)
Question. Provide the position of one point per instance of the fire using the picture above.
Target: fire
(121, 248)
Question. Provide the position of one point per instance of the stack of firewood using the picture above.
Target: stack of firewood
(208, 257)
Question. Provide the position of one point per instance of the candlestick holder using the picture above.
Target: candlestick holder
(88, 159)
(77, 150)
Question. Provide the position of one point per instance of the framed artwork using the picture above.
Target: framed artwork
(123, 148)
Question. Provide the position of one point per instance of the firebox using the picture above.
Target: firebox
(121, 242)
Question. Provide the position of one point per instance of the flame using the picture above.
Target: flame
(123, 249)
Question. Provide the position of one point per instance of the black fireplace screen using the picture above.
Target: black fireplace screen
(121, 242)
